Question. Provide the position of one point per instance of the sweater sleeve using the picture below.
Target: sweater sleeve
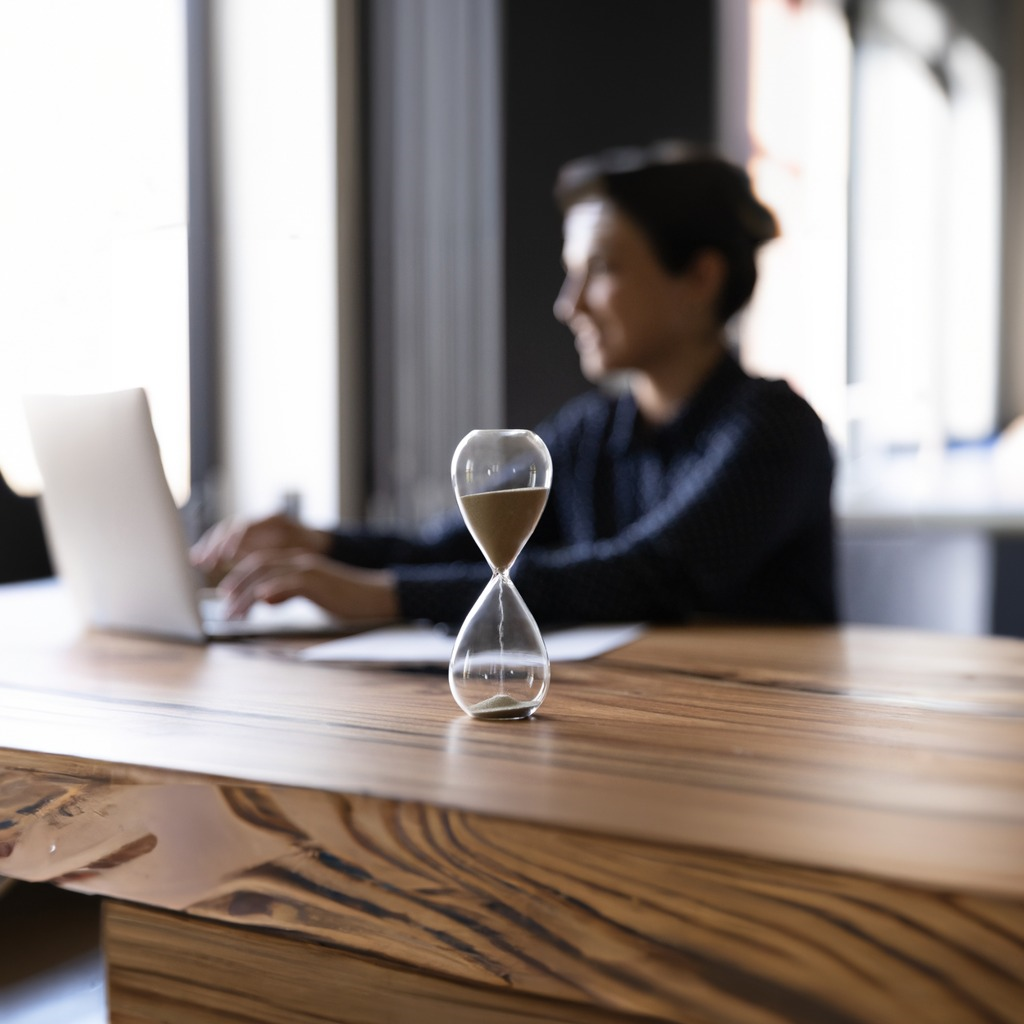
(440, 570)
(442, 539)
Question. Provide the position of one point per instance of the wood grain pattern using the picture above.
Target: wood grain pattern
(891, 786)
(713, 824)
(166, 969)
(588, 920)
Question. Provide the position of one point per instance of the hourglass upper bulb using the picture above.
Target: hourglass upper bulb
(501, 479)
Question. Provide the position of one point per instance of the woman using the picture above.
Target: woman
(696, 490)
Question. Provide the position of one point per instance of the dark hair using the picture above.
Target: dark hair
(685, 198)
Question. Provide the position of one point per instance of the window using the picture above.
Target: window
(880, 150)
(94, 222)
(93, 213)
(925, 248)
(799, 126)
(284, 79)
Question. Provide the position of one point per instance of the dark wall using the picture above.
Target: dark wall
(23, 550)
(1008, 595)
(580, 76)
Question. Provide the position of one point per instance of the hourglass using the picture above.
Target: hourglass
(500, 667)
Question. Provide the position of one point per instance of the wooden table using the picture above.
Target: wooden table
(714, 824)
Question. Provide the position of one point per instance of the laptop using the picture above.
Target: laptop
(117, 538)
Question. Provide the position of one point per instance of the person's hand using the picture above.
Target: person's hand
(226, 544)
(344, 591)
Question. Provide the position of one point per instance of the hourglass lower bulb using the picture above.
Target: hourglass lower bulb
(499, 666)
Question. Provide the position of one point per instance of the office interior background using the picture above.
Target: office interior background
(321, 234)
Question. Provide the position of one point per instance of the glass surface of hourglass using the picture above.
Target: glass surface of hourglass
(499, 666)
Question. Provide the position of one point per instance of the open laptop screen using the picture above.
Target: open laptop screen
(115, 532)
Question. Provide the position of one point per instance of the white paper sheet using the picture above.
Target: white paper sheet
(423, 645)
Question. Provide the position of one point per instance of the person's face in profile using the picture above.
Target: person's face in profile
(625, 310)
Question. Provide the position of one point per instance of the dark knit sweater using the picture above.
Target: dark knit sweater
(726, 511)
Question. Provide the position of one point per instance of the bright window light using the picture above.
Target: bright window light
(880, 302)
(970, 366)
(93, 213)
(799, 125)
(275, 88)
(926, 189)
(898, 244)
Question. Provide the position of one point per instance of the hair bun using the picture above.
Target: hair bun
(757, 220)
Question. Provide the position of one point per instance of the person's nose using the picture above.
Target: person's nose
(568, 299)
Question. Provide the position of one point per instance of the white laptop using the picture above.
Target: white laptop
(115, 534)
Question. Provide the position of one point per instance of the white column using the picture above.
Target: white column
(287, 312)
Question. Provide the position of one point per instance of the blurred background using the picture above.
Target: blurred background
(321, 235)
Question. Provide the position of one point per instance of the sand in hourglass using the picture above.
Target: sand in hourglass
(501, 522)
